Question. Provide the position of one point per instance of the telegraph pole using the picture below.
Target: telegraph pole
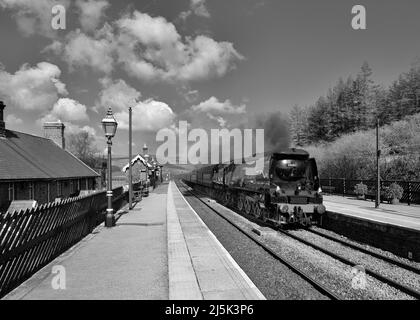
(378, 176)
(130, 156)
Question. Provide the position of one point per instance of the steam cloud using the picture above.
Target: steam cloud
(276, 130)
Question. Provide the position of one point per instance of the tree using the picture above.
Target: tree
(81, 145)
(404, 96)
(319, 128)
(299, 125)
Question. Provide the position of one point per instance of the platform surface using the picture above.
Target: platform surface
(217, 275)
(159, 250)
(400, 215)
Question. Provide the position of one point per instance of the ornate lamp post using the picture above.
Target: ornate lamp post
(109, 125)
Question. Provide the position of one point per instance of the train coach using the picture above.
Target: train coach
(285, 191)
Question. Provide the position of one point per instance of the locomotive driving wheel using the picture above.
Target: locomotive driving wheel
(248, 206)
(240, 203)
(257, 210)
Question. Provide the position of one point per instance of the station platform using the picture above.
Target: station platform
(400, 215)
(159, 250)
(393, 228)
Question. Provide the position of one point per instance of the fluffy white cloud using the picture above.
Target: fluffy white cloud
(33, 17)
(151, 48)
(149, 30)
(66, 109)
(148, 48)
(82, 50)
(117, 94)
(149, 115)
(91, 13)
(32, 88)
(213, 112)
(74, 129)
(197, 7)
(214, 106)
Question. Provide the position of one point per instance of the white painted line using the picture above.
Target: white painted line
(226, 254)
(183, 283)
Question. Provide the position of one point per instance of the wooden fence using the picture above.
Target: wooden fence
(29, 239)
(411, 194)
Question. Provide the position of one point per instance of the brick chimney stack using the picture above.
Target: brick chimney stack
(55, 132)
(2, 124)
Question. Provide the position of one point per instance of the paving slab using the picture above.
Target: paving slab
(217, 274)
(128, 261)
(399, 215)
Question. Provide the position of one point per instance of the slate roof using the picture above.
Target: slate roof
(25, 157)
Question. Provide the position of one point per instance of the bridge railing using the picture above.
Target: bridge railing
(31, 238)
(411, 194)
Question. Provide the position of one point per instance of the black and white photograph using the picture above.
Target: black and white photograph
(215, 157)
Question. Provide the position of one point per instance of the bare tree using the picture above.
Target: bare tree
(81, 144)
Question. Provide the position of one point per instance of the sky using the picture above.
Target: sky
(214, 63)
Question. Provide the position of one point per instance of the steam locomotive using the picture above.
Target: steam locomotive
(285, 192)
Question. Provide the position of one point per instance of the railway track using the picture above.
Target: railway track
(377, 255)
(399, 286)
(391, 282)
(320, 287)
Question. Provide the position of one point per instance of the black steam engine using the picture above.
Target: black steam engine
(285, 190)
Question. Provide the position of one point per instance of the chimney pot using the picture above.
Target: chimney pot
(2, 123)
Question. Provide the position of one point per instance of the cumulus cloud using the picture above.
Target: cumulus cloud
(149, 115)
(117, 94)
(82, 50)
(55, 47)
(151, 48)
(33, 17)
(66, 109)
(213, 113)
(197, 7)
(214, 106)
(91, 13)
(72, 128)
(32, 88)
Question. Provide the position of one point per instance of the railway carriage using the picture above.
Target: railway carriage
(285, 191)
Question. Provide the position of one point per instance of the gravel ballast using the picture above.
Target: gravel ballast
(339, 277)
(272, 278)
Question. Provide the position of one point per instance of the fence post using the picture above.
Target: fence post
(409, 192)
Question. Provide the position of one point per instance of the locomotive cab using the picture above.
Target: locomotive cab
(294, 193)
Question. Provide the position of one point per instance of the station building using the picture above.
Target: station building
(39, 168)
(145, 167)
